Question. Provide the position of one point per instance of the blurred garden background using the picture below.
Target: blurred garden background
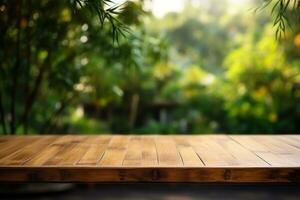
(148, 67)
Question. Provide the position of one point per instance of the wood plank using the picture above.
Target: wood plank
(149, 154)
(187, 153)
(212, 153)
(141, 175)
(275, 145)
(167, 152)
(290, 140)
(281, 153)
(243, 156)
(95, 150)
(133, 156)
(276, 152)
(71, 152)
(29, 151)
(120, 158)
(15, 144)
(115, 152)
(50, 151)
(249, 143)
(6, 142)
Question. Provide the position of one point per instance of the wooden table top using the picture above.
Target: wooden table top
(105, 158)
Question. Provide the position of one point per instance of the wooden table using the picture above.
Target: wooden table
(201, 158)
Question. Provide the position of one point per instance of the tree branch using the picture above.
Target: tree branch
(33, 95)
(2, 115)
(28, 59)
(15, 71)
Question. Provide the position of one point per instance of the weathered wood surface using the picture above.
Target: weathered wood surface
(105, 158)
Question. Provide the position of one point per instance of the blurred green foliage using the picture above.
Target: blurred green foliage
(206, 69)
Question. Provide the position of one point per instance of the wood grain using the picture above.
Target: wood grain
(151, 158)
(115, 152)
(167, 152)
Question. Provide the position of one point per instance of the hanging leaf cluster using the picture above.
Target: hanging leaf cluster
(284, 12)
